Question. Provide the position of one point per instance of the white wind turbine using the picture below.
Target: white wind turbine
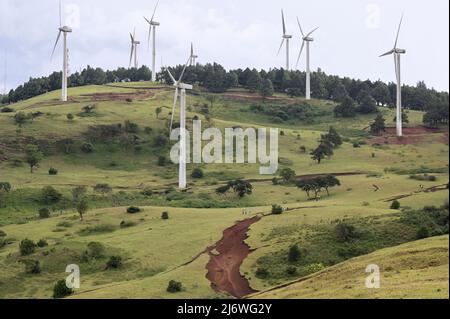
(193, 56)
(286, 38)
(152, 29)
(64, 30)
(397, 59)
(306, 41)
(134, 46)
(179, 86)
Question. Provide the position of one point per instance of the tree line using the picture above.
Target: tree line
(355, 96)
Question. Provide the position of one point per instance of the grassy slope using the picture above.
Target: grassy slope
(413, 270)
(191, 230)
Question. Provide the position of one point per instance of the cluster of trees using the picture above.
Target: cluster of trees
(316, 185)
(240, 187)
(327, 144)
(354, 96)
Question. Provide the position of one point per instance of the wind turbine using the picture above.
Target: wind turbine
(152, 28)
(179, 86)
(193, 56)
(286, 38)
(134, 45)
(64, 30)
(396, 52)
(306, 41)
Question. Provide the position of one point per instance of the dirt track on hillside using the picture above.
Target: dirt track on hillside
(411, 136)
(226, 258)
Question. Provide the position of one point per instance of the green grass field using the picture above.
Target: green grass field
(155, 251)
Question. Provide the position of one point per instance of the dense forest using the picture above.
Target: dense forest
(353, 95)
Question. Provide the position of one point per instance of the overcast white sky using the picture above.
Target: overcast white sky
(234, 33)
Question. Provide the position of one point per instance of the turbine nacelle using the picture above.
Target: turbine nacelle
(286, 36)
(308, 39)
(65, 29)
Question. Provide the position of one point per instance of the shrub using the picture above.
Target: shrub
(303, 149)
(174, 286)
(49, 195)
(32, 267)
(5, 186)
(345, 232)
(129, 100)
(165, 216)
(114, 262)
(197, 173)
(277, 210)
(262, 273)
(294, 254)
(70, 117)
(162, 161)
(102, 188)
(133, 210)
(27, 247)
(291, 271)
(2, 233)
(87, 148)
(356, 145)
(131, 127)
(395, 205)
(60, 290)
(42, 243)
(52, 171)
(422, 233)
(147, 192)
(95, 250)
(7, 109)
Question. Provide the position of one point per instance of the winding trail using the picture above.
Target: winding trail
(226, 258)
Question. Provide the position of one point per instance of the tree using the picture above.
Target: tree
(368, 105)
(254, 81)
(50, 195)
(158, 111)
(294, 254)
(27, 247)
(334, 138)
(174, 286)
(381, 94)
(33, 156)
(395, 205)
(322, 151)
(287, 174)
(378, 125)
(346, 109)
(197, 173)
(60, 290)
(339, 93)
(78, 192)
(266, 88)
(20, 118)
(82, 208)
(70, 117)
(241, 188)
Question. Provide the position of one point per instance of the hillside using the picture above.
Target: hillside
(128, 151)
(411, 271)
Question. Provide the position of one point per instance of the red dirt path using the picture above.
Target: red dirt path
(411, 136)
(224, 267)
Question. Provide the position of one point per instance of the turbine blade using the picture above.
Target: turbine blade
(154, 11)
(184, 69)
(149, 37)
(171, 76)
(300, 54)
(192, 49)
(56, 43)
(131, 55)
(284, 23)
(300, 26)
(387, 53)
(132, 38)
(281, 46)
(174, 108)
(398, 32)
(312, 32)
(148, 21)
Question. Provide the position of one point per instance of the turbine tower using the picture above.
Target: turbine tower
(286, 38)
(64, 30)
(134, 46)
(152, 29)
(193, 56)
(179, 86)
(396, 52)
(306, 41)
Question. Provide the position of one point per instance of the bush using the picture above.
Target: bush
(42, 243)
(49, 195)
(165, 216)
(5, 186)
(294, 254)
(2, 233)
(102, 188)
(291, 271)
(27, 247)
(277, 210)
(174, 286)
(95, 250)
(262, 273)
(32, 267)
(395, 205)
(131, 127)
(70, 117)
(114, 262)
(52, 171)
(133, 210)
(345, 232)
(147, 192)
(7, 109)
(423, 233)
(60, 290)
(87, 148)
(356, 145)
(162, 161)
(197, 173)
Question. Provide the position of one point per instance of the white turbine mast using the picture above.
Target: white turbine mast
(134, 47)
(396, 52)
(152, 29)
(307, 39)
(180, 90)
(286, 38)
(64, 30)
(193, 56)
